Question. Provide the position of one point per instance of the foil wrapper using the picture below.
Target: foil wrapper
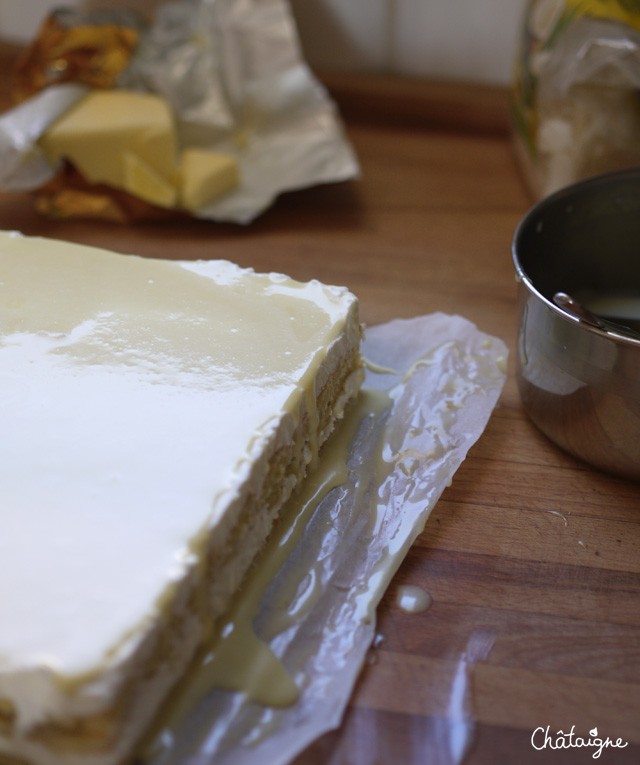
(308, 609)
(231, 70)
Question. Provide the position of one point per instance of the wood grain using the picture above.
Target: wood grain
(529, 549)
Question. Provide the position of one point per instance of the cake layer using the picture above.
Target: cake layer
(155, 415)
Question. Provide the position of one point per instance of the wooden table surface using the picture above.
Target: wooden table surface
(529, 552)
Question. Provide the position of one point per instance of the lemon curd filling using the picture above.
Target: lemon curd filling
(155, 417)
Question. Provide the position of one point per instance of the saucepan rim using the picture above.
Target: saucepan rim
(567, 193)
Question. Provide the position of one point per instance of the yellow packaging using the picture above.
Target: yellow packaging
(75, 50)
(625, 11)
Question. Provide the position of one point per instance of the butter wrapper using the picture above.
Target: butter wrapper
(232, 77)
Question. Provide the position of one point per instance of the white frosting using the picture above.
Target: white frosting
(135, 395)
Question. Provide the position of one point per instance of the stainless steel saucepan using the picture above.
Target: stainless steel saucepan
(577, 260)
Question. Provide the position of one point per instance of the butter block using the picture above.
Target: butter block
(101, 132)
(205, 176)
(142, 180)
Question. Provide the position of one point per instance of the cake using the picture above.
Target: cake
(155, 417)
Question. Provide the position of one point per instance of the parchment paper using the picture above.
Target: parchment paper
(441, 378)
